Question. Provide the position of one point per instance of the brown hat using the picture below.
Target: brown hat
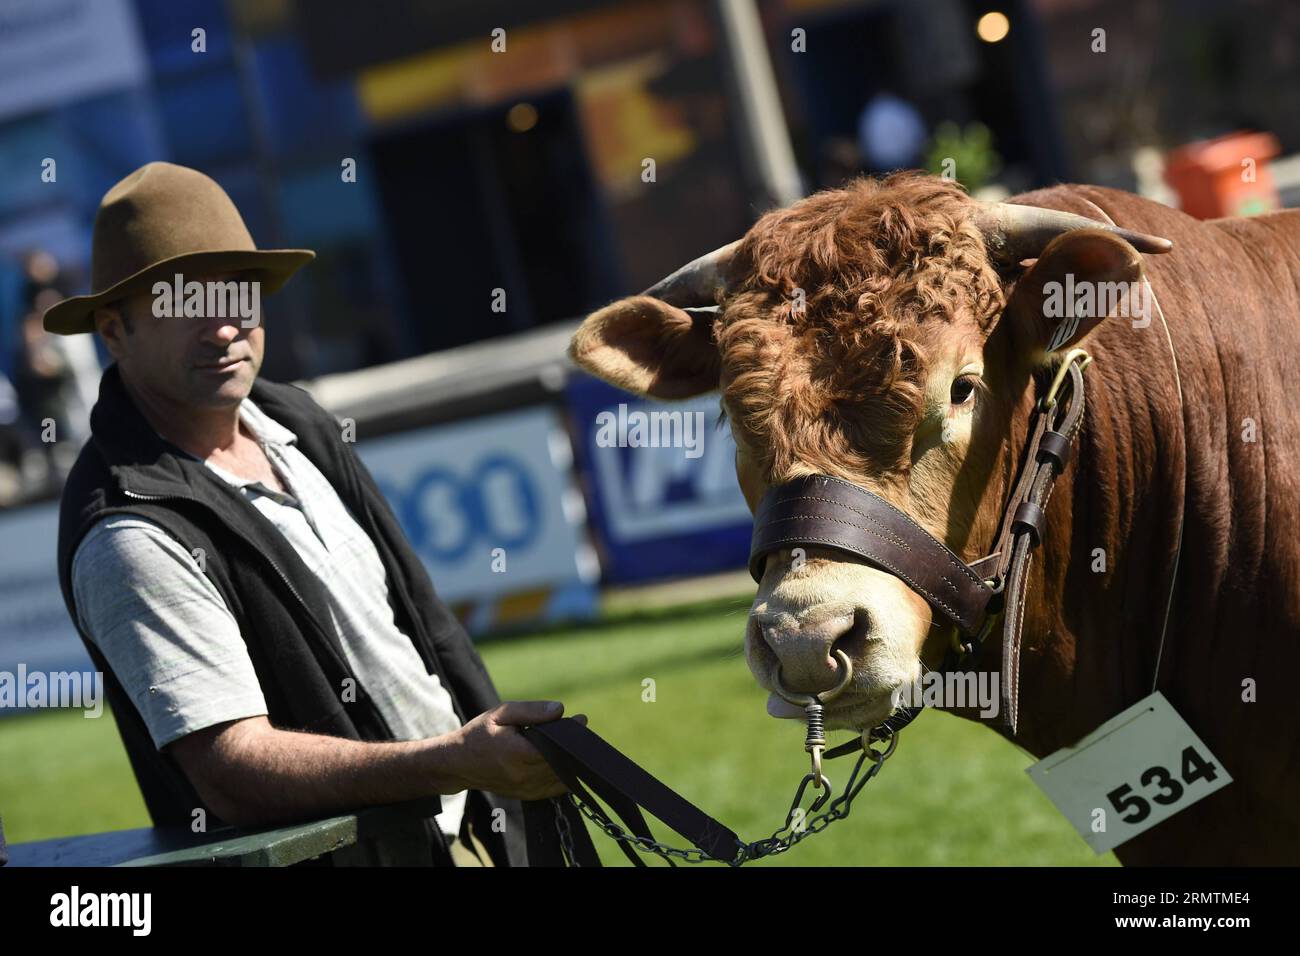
(163, 219)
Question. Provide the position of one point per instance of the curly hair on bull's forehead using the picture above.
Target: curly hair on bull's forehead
(821, 337)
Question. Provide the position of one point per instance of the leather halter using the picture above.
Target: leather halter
(825, 511)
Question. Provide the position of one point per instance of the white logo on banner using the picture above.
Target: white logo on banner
(501, 484)
(637, 483)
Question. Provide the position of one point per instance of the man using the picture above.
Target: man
(272, 647)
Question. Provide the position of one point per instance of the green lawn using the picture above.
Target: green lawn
(953, 794)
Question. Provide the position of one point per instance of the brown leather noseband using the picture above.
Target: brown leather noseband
(821, 510)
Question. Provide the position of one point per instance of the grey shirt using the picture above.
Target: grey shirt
(146, 604)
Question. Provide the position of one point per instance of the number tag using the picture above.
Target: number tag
(1140, 767)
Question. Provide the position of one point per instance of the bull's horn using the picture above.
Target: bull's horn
(1013, 233)
(697, 283)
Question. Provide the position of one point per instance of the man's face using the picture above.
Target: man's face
(210, 361)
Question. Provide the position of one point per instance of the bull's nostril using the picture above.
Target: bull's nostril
(839, 662)
(853, 641)
(805, 649)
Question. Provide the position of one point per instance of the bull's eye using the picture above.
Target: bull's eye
(963, 390)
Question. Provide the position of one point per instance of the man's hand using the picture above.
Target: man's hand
(491, 754)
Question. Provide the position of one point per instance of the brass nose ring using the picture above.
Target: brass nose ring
(803, 700)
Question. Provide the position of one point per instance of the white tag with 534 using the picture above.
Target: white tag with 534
(1138, 768)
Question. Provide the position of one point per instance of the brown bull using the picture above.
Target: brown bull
(890, 334)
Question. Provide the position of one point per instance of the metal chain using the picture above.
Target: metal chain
(566, 836)
(616, 832)
(779, 842)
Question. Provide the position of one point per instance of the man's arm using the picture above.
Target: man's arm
(177, 650)
(250, 773)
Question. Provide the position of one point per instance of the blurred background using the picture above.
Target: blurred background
(476, 175)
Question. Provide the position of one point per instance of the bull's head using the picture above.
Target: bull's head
(885, 333)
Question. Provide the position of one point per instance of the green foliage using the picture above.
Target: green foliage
(965, 155)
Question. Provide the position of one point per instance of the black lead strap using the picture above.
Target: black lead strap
(581, 756)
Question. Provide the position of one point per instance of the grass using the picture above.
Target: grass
(954, 794)
(63, 774)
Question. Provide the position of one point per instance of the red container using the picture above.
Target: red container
(1213, 178)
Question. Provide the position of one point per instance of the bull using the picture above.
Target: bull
(894, 334)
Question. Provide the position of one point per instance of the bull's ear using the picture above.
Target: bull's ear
(1081, 279)
(649, 347)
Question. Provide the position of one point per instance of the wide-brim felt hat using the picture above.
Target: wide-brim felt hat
(161, 220)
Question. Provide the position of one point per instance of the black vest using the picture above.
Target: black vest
(126, 468)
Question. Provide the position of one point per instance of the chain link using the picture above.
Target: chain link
(779, 842)
(616, 832)
(566, 836)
